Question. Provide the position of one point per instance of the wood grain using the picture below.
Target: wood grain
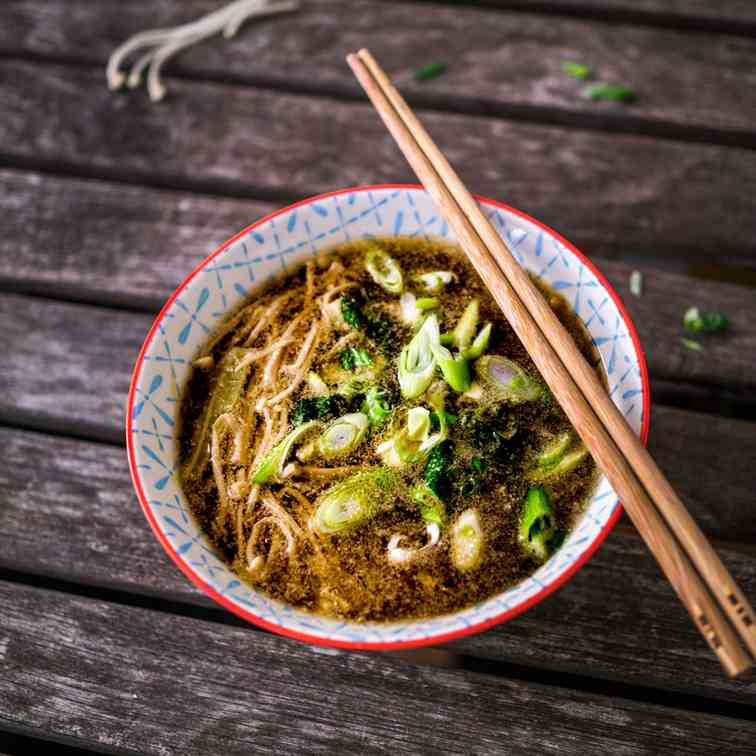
(83, 489)
(114, 244)
(135, 680)
(514, 67)
(62, 118)
(109, 243)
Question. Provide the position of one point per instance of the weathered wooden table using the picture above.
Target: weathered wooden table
(104, 645)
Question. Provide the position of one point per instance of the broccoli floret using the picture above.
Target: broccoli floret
(354, 357)
(351, 311)
(488, 433)
(358, 315)
(471, 480)
(436, 472)
(316, 408)
(377, 405)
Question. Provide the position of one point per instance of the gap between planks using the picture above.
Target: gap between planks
(739, 20)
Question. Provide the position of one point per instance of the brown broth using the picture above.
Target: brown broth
(351, 576)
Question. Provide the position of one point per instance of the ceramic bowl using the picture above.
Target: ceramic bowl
(282, 241)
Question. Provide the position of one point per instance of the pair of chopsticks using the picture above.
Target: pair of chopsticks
(693, 568)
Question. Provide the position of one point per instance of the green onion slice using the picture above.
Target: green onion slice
(343, 435)
(536, 525)
(417, 362)
(435, 281)
(456, 370)
(354, 501)
(562, 466)
(228, 389)
(467, 541)
(426, 303)
(430, 71)
(576, 70)
(554, 449)
(612, 92)
(704, 322)
(479, 345)
(507, 380)
(464, 331)
(384, 270)
(430, 506)
(273, 462)
(399, 555)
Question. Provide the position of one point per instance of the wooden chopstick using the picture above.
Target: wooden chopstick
(532, 319)
(694, 542)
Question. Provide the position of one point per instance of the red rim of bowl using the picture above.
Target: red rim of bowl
(430, 640)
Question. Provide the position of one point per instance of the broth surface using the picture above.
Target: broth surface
(245, 396)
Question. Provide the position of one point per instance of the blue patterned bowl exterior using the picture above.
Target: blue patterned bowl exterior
(281, 242)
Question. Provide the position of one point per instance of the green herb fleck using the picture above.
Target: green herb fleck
(576, 70)
(612, 92)
(431, 71)
(353, 357)
(694, 346)
(696, 321)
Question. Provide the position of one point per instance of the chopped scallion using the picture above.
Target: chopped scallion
(430, 71)
(696, 321)
(467, 541)
(536, 523)
(456, 370)
(354, 501)
(693, 346)
(576, 70)
(417, 361)
(384, 270)
(611, 92)
(273, 462)
(636, 283)
(343, 435)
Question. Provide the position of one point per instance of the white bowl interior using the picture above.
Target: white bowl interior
(283, 242)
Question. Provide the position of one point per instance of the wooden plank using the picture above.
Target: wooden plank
(262, 144)
(697, 88)
(108, 243)
(721, 13)
(590, 627)
(107, 675)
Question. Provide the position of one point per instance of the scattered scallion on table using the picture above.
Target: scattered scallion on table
(696, 321)
(636, 283)
(576, 70)
(693, 346)
(610, 92)
(430, 71)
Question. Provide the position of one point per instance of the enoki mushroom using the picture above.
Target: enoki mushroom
(162, 44)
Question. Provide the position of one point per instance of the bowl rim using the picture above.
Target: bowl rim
(382, 645)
